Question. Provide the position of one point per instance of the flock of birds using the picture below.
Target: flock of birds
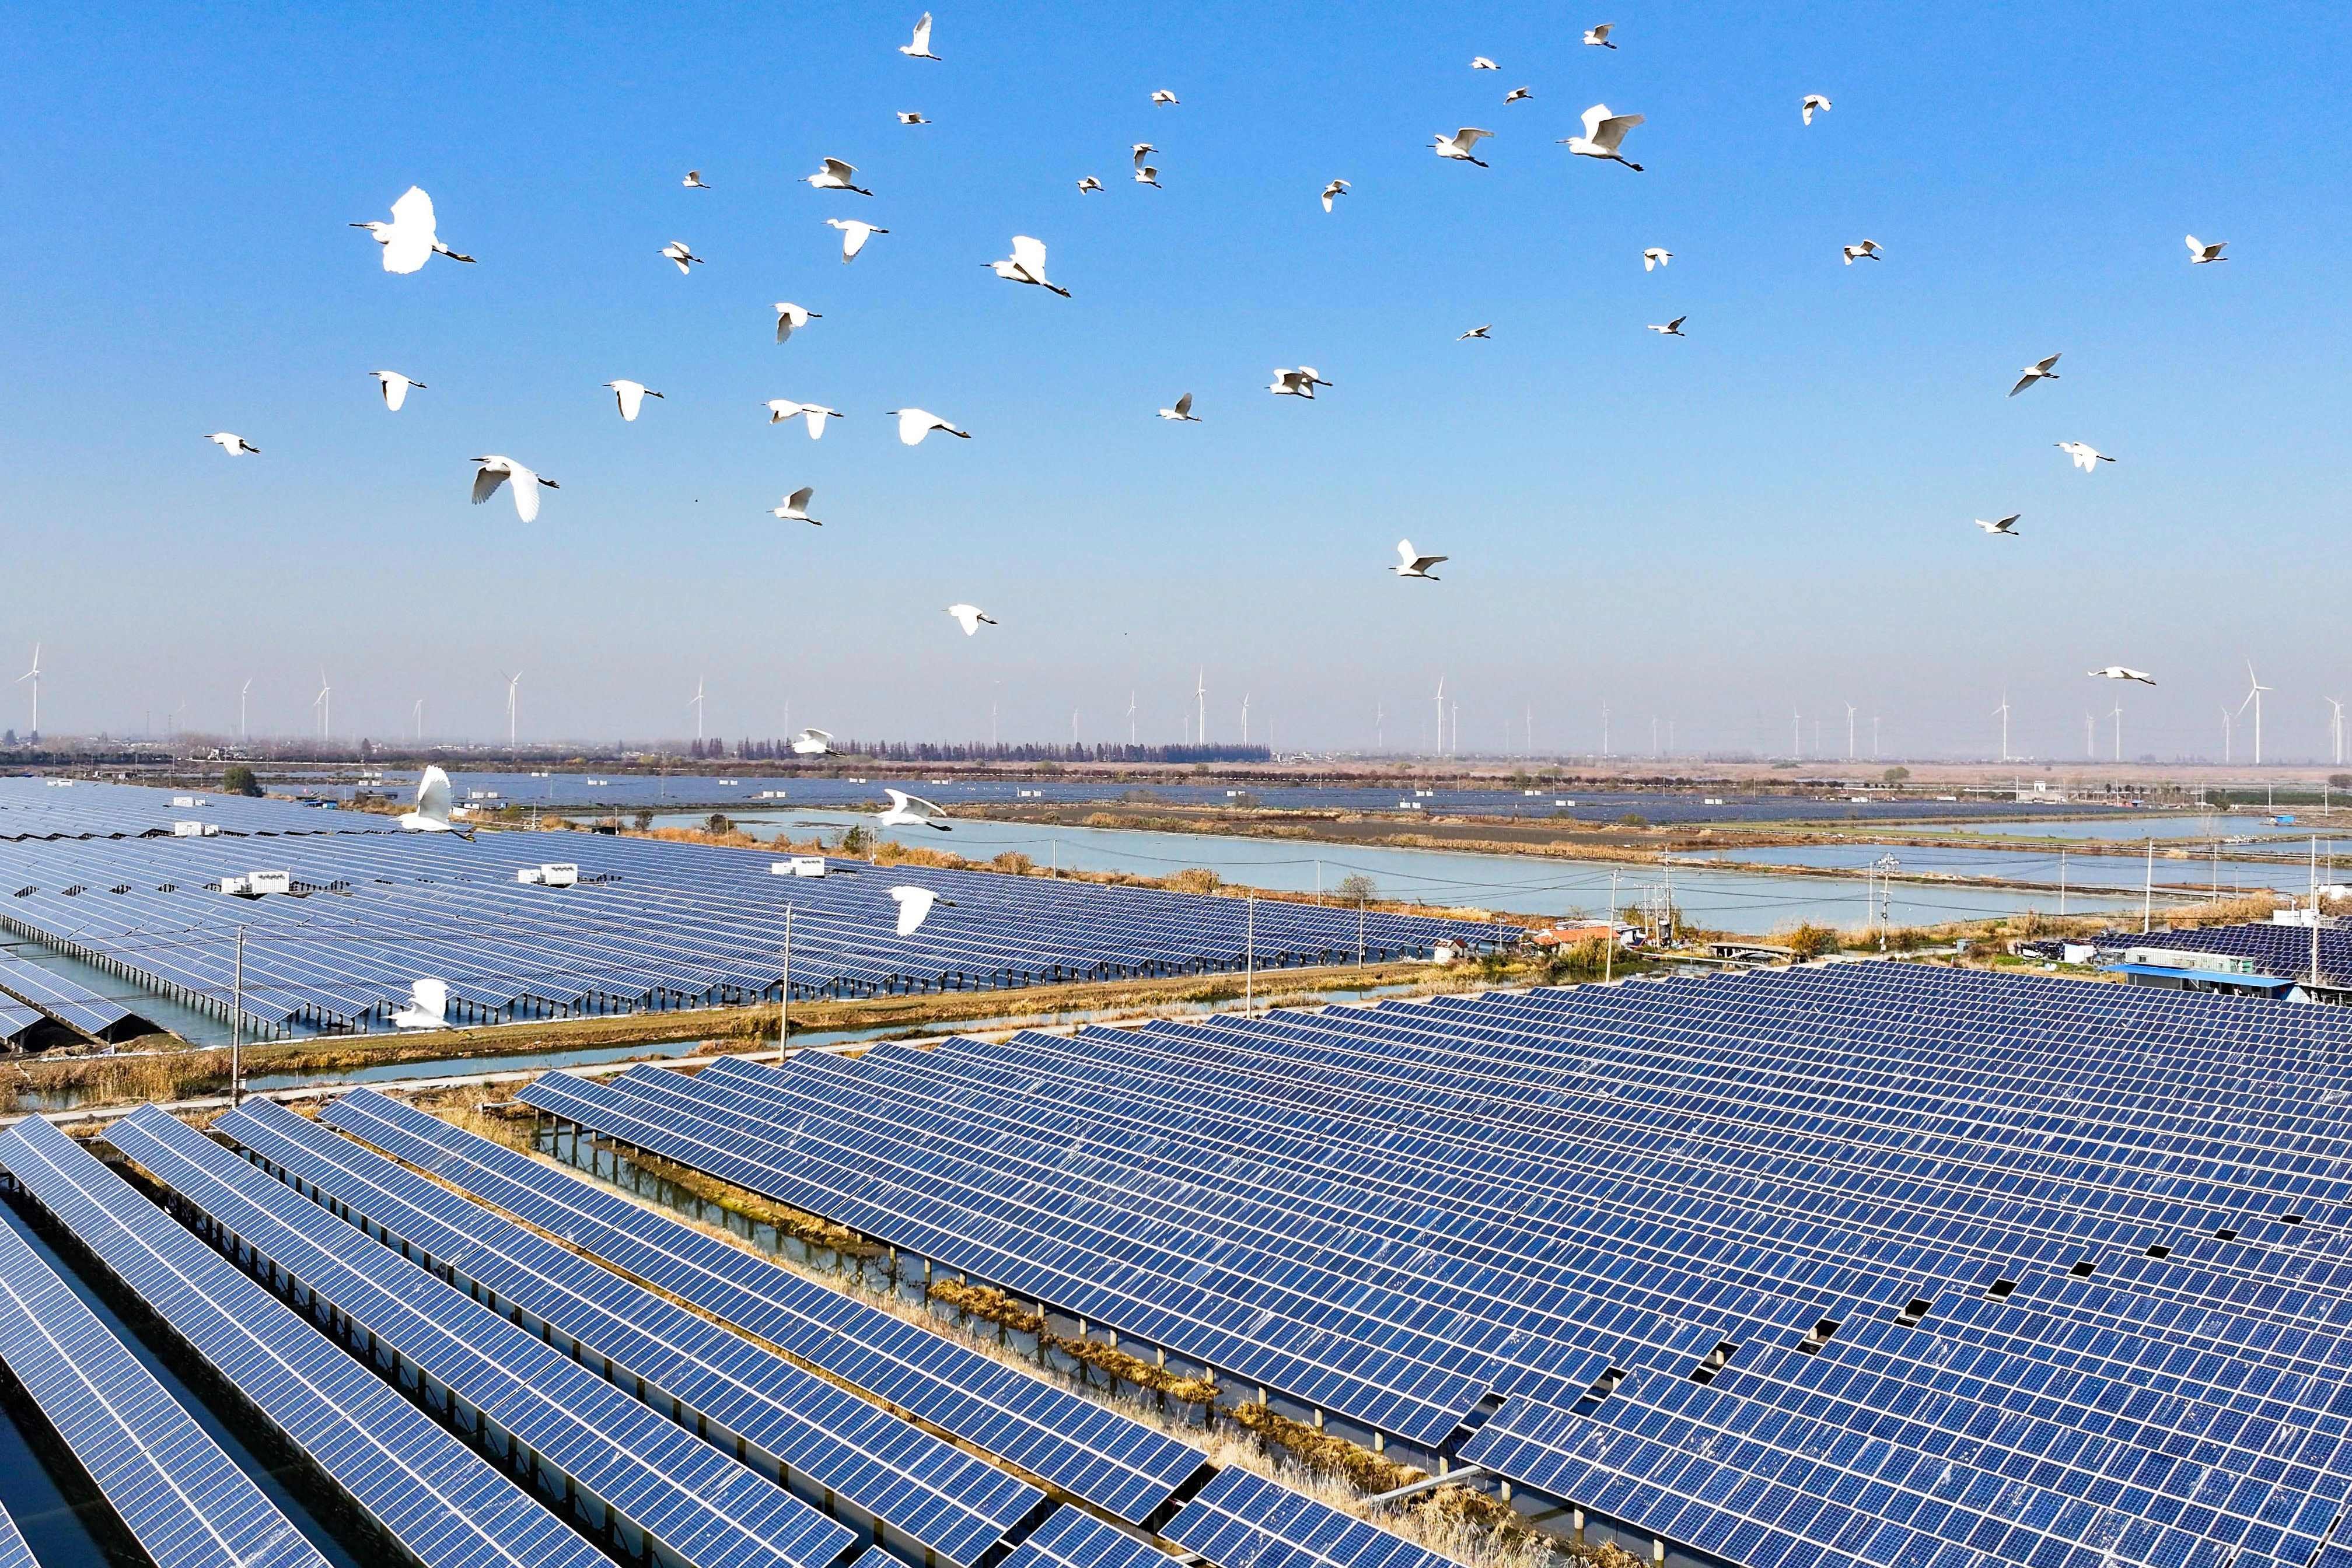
(412, 237)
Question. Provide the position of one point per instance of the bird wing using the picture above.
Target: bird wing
(526, 494)
(923, 35)
(2043, 365)
(630, 396)
(853, 239)
(1404, 554)
(1029, 255)
(1601, 32)
(2195, 248)
(914, 424)
(839, 169)
(1613, 130)
(396, 390)
(1184, 405)
(1468, 137)
(898, 798)
(1676, 323)
(930, 805)
(1422, 563)
(914, 905)
(2023, 382)
(817, 416)
(799, 499)
(487, 481)
(1592, 119)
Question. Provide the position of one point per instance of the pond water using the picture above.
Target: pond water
(2198, 871)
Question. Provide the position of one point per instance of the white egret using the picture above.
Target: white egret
(2124, 673)
(2086, 456)
(1655, 256)
(236, 445)
(1163, 99)
(2005, 527)
(1300, 383)
(395, 388)
(795, 507)
(684, 258)
(411, 236)
(1476, 332)
(1866, 251)
(1183, 411)
(835, 176)
(1145, 174)
(2199, 253)
(914, 424)
(1603, 134)
(2039, 371)
(1141, 150)
(912, 117)
(1089, 184)
(906, 810)
(1673, 329)
(428, 1005)
(494, 471)
(1336, 188)
(853, 236)
(1813, 100)
(1458, 145)
(1518, 95)
(1481, 63)
(431, 812)
(1027, 264)
(811, 743)
(969, 617)
(631, 396)
(1598, 37)
(921, 49)
(693, 181)
(915, 906)
(791, 318)
(784, 408)
(1413, 563)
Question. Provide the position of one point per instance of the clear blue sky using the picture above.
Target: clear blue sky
(1771, 516)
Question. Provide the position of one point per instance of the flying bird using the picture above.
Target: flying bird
(495, 471)
(1163, 97)
(1457, 146)
(1141, 150)
(811, 743)
(795, 507)
(1655, 257)
(1300, 383)
(234, 444)
(2039, 371)
(914, 424)
(431, 812)
(915, 906)
(969, 617)
(1413, 563)
(693, 181)
(2124, 673)
(2086, 456)
(1089, 184)
(1336, 189)
(1475, 332)
(853, 236)
(1145, 174)
(1518, 95)
(2007, 526)
(1603, 134)
(631, 396)
(921, 49)
(1866, 251)
(2199, 253)
(1673, 329)
(428, 1005)
(1481, 63)
(835, 176)
(912, 117)
(411, 235)
(394, 387)
(1183, 411)
(1027, 264)
(686, 261)
(1813, 100)
(912, 811)
(791, 318)
(784, 408)
(1598, 37)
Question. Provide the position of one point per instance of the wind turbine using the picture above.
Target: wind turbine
(2119, 726)
(2254, 696)
(34, 675)
(243, 692)
(1438, 746)
(1245, 718)
(2001, 712)
(1379, 725)
(513, 681)
(1201, 701)
(697, 706)
(1796, 734)
(325, 703)
(1849, 732)
(2228, 733)
(2090, 738)
(1131, 716)
(2335, 726)
(419, 712)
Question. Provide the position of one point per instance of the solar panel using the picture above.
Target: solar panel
(14, 1552)
(665, 1482)
(1097, 1454)
(184, 1501)
(433, 1495)
(61, 996)
(1241, 1518)
(1075, 1539)
(928, 1494)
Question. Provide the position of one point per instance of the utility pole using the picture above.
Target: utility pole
(2062, 884)
(784, 994)
(2147, 890)
(2315, 911)
(236, 1027)
(1249, 952)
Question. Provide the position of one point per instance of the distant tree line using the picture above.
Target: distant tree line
(982, 751)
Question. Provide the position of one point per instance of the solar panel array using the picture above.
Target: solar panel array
(14, 1552)
(1241, 1518)
(1075, 1539)
(1127, 1468)
(446, 1506)
(38, 809)
(184, 1501)
(18, 1023)
(2281, 950)
(945, 1502)
(65, 999)
(652, 925)
(1865, 1264)
(701, 1506)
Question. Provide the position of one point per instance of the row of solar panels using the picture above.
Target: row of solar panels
(2026, 1267)
(653, 925)
(45, 992)
(2283, 951)
(653, 1425)
(33, 809)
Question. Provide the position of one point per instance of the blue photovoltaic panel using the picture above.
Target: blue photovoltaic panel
(14, 1552)
(17, 1020)
(1241, 1518)
(1075, 1539)
(1835, 1267)
(60, 996)
(924, 1490)
(700, 1505)
(436, 1496)
(184, 1501)
(1097, 1454)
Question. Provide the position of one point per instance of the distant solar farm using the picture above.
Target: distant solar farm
(105, 876)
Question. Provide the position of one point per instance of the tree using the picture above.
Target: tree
(1895, 775)
(1357, 888)
(857, 841)
(644, 821)
(239, 780)
(718, 823)
(2340, 781)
